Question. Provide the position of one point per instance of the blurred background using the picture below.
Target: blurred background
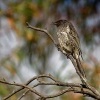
(25, 53)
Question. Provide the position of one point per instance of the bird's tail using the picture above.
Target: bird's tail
(76, 56)
(80, 67)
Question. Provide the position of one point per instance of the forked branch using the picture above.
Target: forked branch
(83, 88)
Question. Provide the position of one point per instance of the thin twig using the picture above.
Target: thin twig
(23, 86)
(41, 30)
(74, 88)
(28, 82)
(23, 94)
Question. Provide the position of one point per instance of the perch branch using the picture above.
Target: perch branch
(41, 30)
(28, 82)
(83, 88)
(69, 87)
(70, 57)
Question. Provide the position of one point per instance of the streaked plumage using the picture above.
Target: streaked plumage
(68, 40)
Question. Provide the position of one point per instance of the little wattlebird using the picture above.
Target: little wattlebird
(69, 42)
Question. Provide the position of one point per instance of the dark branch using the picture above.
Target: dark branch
(70, 87)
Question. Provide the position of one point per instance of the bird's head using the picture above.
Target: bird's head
(60, 22)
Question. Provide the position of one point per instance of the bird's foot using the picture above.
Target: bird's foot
(58, 46)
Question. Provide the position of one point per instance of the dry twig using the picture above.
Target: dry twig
(83, 88)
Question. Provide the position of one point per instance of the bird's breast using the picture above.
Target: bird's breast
(64, 41)
(65, 35)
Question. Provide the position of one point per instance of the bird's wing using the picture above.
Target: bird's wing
(76, 37)
(74, 34)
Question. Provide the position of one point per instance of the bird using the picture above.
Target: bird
(69, 41)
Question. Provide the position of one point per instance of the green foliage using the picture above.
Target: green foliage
(3, 90)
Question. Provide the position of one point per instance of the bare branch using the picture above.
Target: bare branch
(85, 83)
(83, 88)
(70, 87)
(41, 30)
(28, 82)
(23, 94)
(23, 86)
